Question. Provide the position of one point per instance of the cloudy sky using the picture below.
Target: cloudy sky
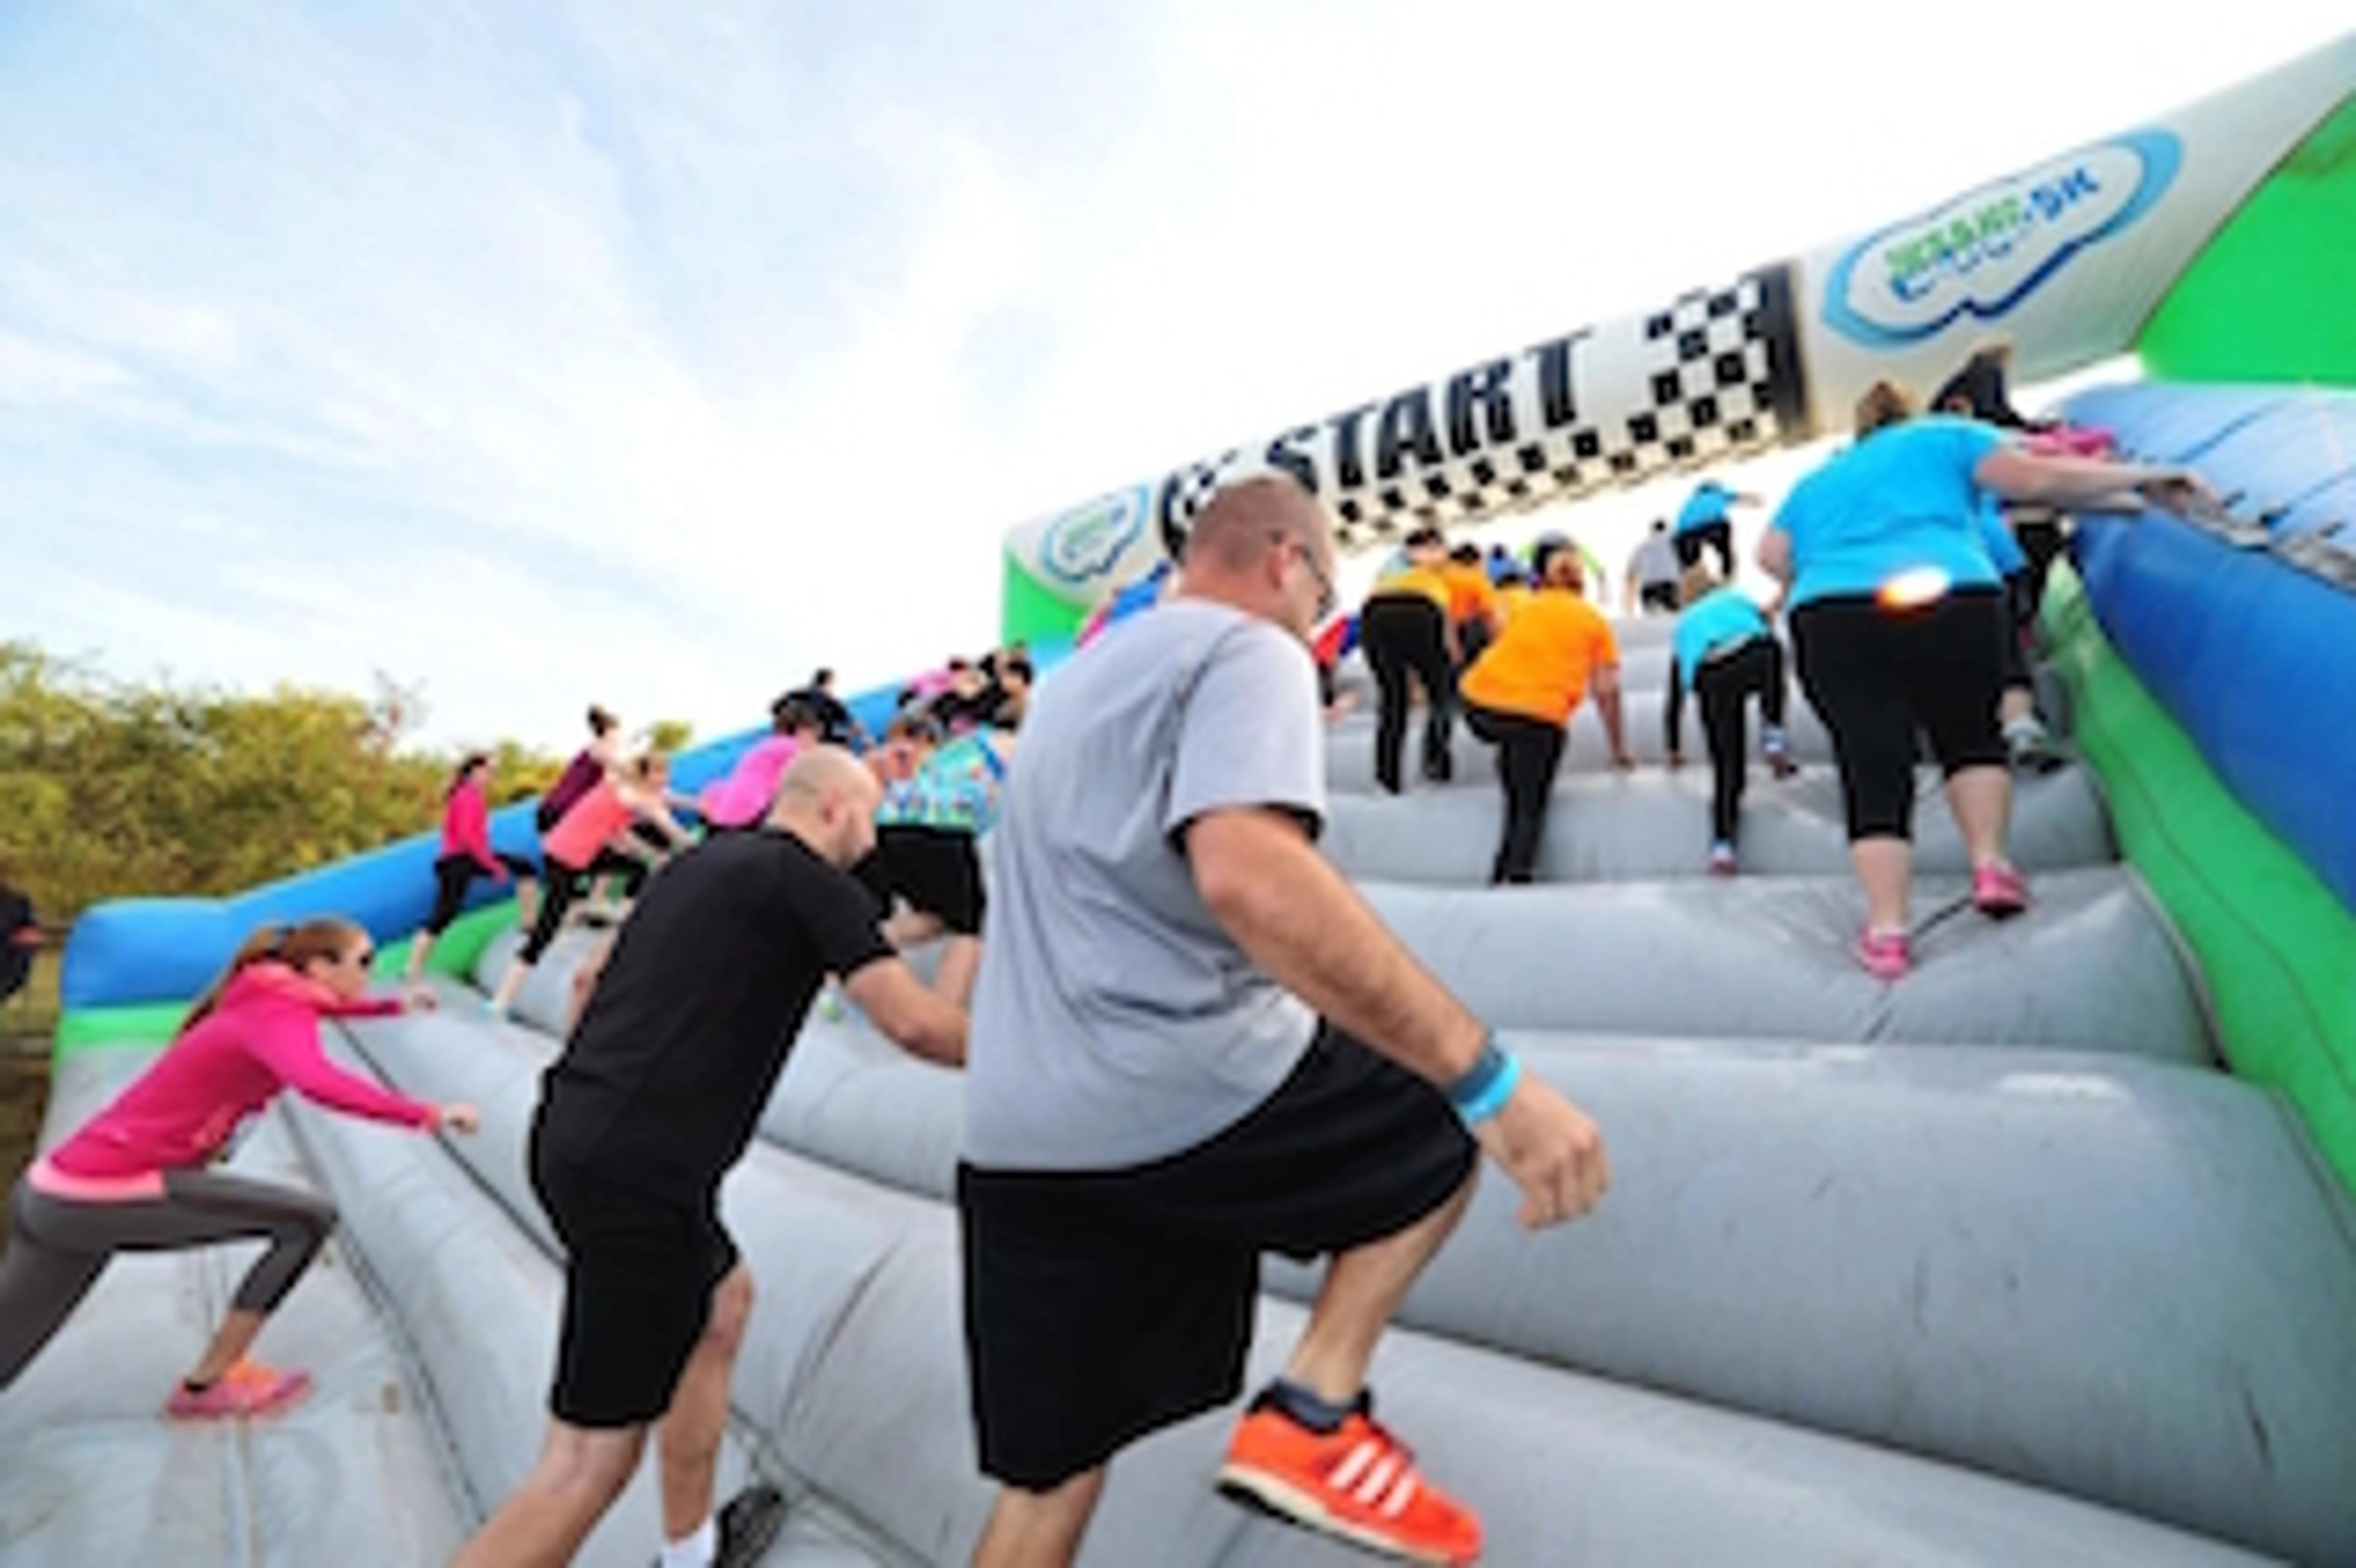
(535, 351)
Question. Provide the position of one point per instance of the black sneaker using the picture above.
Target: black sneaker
(748, 1523)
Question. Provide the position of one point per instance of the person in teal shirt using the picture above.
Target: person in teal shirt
(1897, 623)
(1706, 522)
(1724, 652)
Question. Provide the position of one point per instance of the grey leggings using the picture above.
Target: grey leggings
(58, 1246)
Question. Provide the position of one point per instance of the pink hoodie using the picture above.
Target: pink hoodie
(262, 1039)
(467, 829)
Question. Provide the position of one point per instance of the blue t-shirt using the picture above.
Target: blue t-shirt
(1900, 501)
(2004, 551)
(1708, 503)
(1720, 616)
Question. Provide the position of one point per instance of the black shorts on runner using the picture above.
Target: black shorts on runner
(1101, 1306)
(639, 1272)
(936, 870)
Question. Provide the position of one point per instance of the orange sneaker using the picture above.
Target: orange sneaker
(1358, 1482)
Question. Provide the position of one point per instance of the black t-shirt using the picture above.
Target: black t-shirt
(834, 722)
(665, 1077)
(16, 962)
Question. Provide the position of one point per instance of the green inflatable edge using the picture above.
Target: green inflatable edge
(2267, 299)
(2272, 940)
(1029, 611)
(154, 1023)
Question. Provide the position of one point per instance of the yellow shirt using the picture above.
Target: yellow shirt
(1540, 663)
(1424, 579)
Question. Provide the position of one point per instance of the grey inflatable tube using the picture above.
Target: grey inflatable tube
(1649, 825)
(853, 1374)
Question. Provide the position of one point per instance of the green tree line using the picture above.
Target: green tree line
(112, 788)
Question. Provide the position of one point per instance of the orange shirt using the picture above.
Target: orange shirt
(1471, 595)
(1540, 663)
(1512, 597)
(1424, 579)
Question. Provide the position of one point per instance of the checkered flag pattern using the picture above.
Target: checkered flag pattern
(1718, 377)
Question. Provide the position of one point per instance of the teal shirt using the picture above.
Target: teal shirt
(1900, 500)
(1721, 616)
(1706, 505)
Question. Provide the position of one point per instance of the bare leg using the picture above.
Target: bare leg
(526, 901)
(1884, 868)
(1361, 1290)
(960, 962)
(1981, 799)
(907, 927)
(229, 1345)
(584, 981)
(688, 1439)
(542, 1525)
(2018, 703)
(421, 947)
(1039, 1529)
(510, 983)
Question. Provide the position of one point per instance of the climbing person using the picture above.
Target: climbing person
(136, 1177)
(838, 726)
(1898, 625)
(1520, 695)
(741, 799)
(595, 840)
(1725, 653)
(1405, 632)
(1152, 1100)
(1652, 581)
(653, 1099)
(928, 833)
(605, 752)
(467, 854)
(1474, 613)
(1706, 522)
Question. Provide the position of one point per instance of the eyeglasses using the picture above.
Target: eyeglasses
(1326, 597)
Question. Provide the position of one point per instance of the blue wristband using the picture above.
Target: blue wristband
(1481, 1093)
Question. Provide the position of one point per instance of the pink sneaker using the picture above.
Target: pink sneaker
(246, 1389)
(1998, 892)
(1885, 957)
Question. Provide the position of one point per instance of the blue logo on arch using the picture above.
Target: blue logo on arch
(1085, 542)
(1983, 253)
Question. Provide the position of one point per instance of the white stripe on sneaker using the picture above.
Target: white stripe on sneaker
(1401, 1495)
(1378, 1481)
(1347, 1472)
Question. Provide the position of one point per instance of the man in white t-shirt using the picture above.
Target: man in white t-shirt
(1652, 585)
(1152, 1099)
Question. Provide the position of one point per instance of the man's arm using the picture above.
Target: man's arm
(908, 1011)
(1603, 684)
(1295, 917)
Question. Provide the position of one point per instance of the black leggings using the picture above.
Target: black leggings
(1718, 536)
(567, 884)
(453, 874)
(58, 1246)
(1659, 596)
(1402, 633)
(1528, 752)
(1725, 686)
(1876, 676)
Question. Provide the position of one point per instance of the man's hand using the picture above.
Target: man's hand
(1551, 1150)
(2177, 490)
(459, 1117)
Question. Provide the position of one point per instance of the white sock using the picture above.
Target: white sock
(698, 1550)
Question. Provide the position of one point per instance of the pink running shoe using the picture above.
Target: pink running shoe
(1998, 892)
(246, 1389)
(1885, 957)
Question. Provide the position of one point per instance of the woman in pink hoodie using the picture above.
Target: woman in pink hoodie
(135, 1177)
(466, 853)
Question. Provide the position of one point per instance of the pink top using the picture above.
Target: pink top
(466, 827)
(743, 798)
(263, 1037)
(594, 819)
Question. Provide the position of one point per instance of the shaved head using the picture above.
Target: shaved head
(1244, 520)
(826, 798)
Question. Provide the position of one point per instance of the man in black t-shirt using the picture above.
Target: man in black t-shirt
(655, 1096)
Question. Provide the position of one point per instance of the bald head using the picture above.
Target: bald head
(1265, 546)
(826, 798)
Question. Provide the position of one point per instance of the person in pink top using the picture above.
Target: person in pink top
(743, 798)
(595, 839)
(135, 1178)
(466, 853)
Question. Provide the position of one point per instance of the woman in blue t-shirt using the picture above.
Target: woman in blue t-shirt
(1897, 621)
(1726, 654)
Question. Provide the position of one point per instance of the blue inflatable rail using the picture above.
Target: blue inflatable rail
(2251, 647)
(167, 950)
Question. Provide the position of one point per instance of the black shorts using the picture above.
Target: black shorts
(1101, 1306)
(639, 1271)
(1658, 596)
(936, 870)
